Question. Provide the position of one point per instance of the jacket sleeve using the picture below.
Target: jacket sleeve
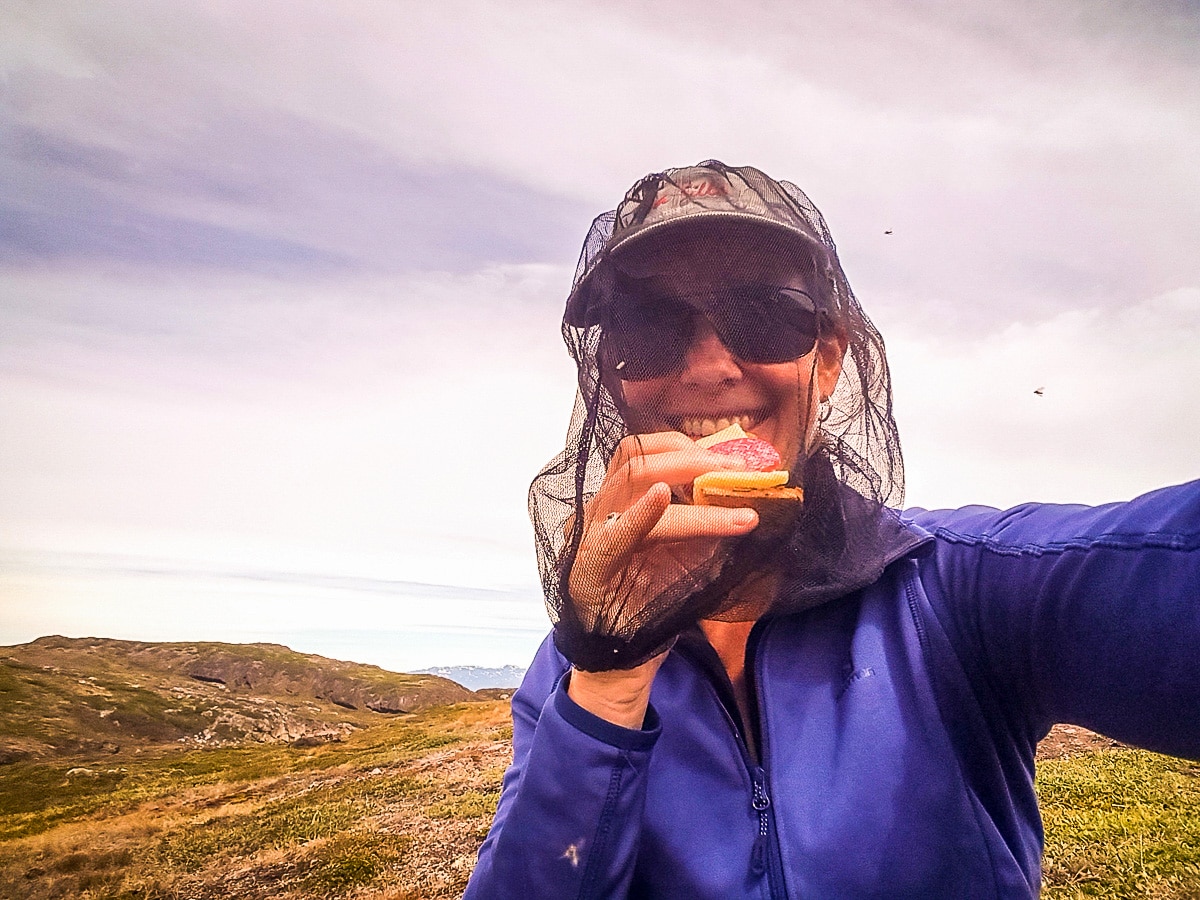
(1088, 615)
(570, 812)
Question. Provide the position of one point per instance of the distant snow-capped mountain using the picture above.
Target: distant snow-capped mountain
(476, 677)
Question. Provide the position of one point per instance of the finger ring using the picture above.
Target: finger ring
(611, 517)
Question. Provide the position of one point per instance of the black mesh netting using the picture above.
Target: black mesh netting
(689, 246)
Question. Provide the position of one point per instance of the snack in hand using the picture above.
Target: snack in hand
(763, 486)
(758, 455)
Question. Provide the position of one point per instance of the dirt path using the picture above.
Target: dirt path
(1070, 740)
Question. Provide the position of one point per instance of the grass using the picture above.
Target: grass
(35, 796)
(354, 860)
(1121, 824)
(275, 825)
(397, 811)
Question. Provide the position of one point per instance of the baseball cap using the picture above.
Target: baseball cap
(710, 194)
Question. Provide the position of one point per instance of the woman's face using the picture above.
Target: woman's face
(777, 402)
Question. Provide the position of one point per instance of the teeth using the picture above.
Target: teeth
(695, 427)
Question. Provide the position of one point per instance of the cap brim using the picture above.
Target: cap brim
(583, 306)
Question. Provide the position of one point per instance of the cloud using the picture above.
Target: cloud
(218, 138)
(231, 335)
(1086, 406)
(280, 195)
(401, 625)
(1027, 159)
(387, 423)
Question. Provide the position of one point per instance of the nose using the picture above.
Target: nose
(708, 360)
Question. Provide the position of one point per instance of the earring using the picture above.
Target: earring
(824, 411)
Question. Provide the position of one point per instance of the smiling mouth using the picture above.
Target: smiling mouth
(700, 426)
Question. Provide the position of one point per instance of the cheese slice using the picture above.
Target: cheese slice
(738, 480)
(732, 433)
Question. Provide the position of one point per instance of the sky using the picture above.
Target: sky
(281, 283)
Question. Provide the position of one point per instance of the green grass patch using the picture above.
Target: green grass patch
(1121, 824)
(37, 796)
(11, 687)
(280, 825)
(34, 797)
(467, 805)
(350, 861)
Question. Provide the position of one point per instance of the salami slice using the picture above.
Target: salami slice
(758, 455)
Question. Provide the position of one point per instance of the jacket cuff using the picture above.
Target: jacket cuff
(601, 729)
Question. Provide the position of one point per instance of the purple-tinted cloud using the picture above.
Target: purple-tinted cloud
(276, 193)
(92, 229)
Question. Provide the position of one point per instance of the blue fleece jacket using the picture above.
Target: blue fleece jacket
(897, 725)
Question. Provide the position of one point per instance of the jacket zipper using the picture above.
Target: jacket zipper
(766, 856)
(760, 803)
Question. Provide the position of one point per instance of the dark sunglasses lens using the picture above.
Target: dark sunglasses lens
(648, 339)
(768, 324)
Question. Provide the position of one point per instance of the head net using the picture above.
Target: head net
(737, 225)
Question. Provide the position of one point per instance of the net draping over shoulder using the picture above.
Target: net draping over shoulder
(623, 332)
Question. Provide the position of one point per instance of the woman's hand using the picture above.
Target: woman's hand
(636, 545)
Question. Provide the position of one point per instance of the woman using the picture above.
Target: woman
(838, 702)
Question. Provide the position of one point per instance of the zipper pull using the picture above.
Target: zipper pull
(760, 803)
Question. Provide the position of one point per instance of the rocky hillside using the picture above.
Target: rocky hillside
(70, 695)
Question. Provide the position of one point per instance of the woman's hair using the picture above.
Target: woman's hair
(853, 475)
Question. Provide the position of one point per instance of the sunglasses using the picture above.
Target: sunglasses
(648, 336)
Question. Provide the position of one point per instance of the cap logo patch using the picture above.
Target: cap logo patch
(690, 189)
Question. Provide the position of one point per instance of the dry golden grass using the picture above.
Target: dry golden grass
(397, 811)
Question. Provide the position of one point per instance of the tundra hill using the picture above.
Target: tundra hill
(63, 696)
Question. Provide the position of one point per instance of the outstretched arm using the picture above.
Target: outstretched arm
(1088, 615)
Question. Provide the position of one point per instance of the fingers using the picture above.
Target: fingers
(664, 448)
(643, 444)
(675, 467)
(611, 541)
(632, 516)
(655, 520)
(636, 523)
(644, 470)
(681, 522)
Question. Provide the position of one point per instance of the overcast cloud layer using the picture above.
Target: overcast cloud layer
(279, 283)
